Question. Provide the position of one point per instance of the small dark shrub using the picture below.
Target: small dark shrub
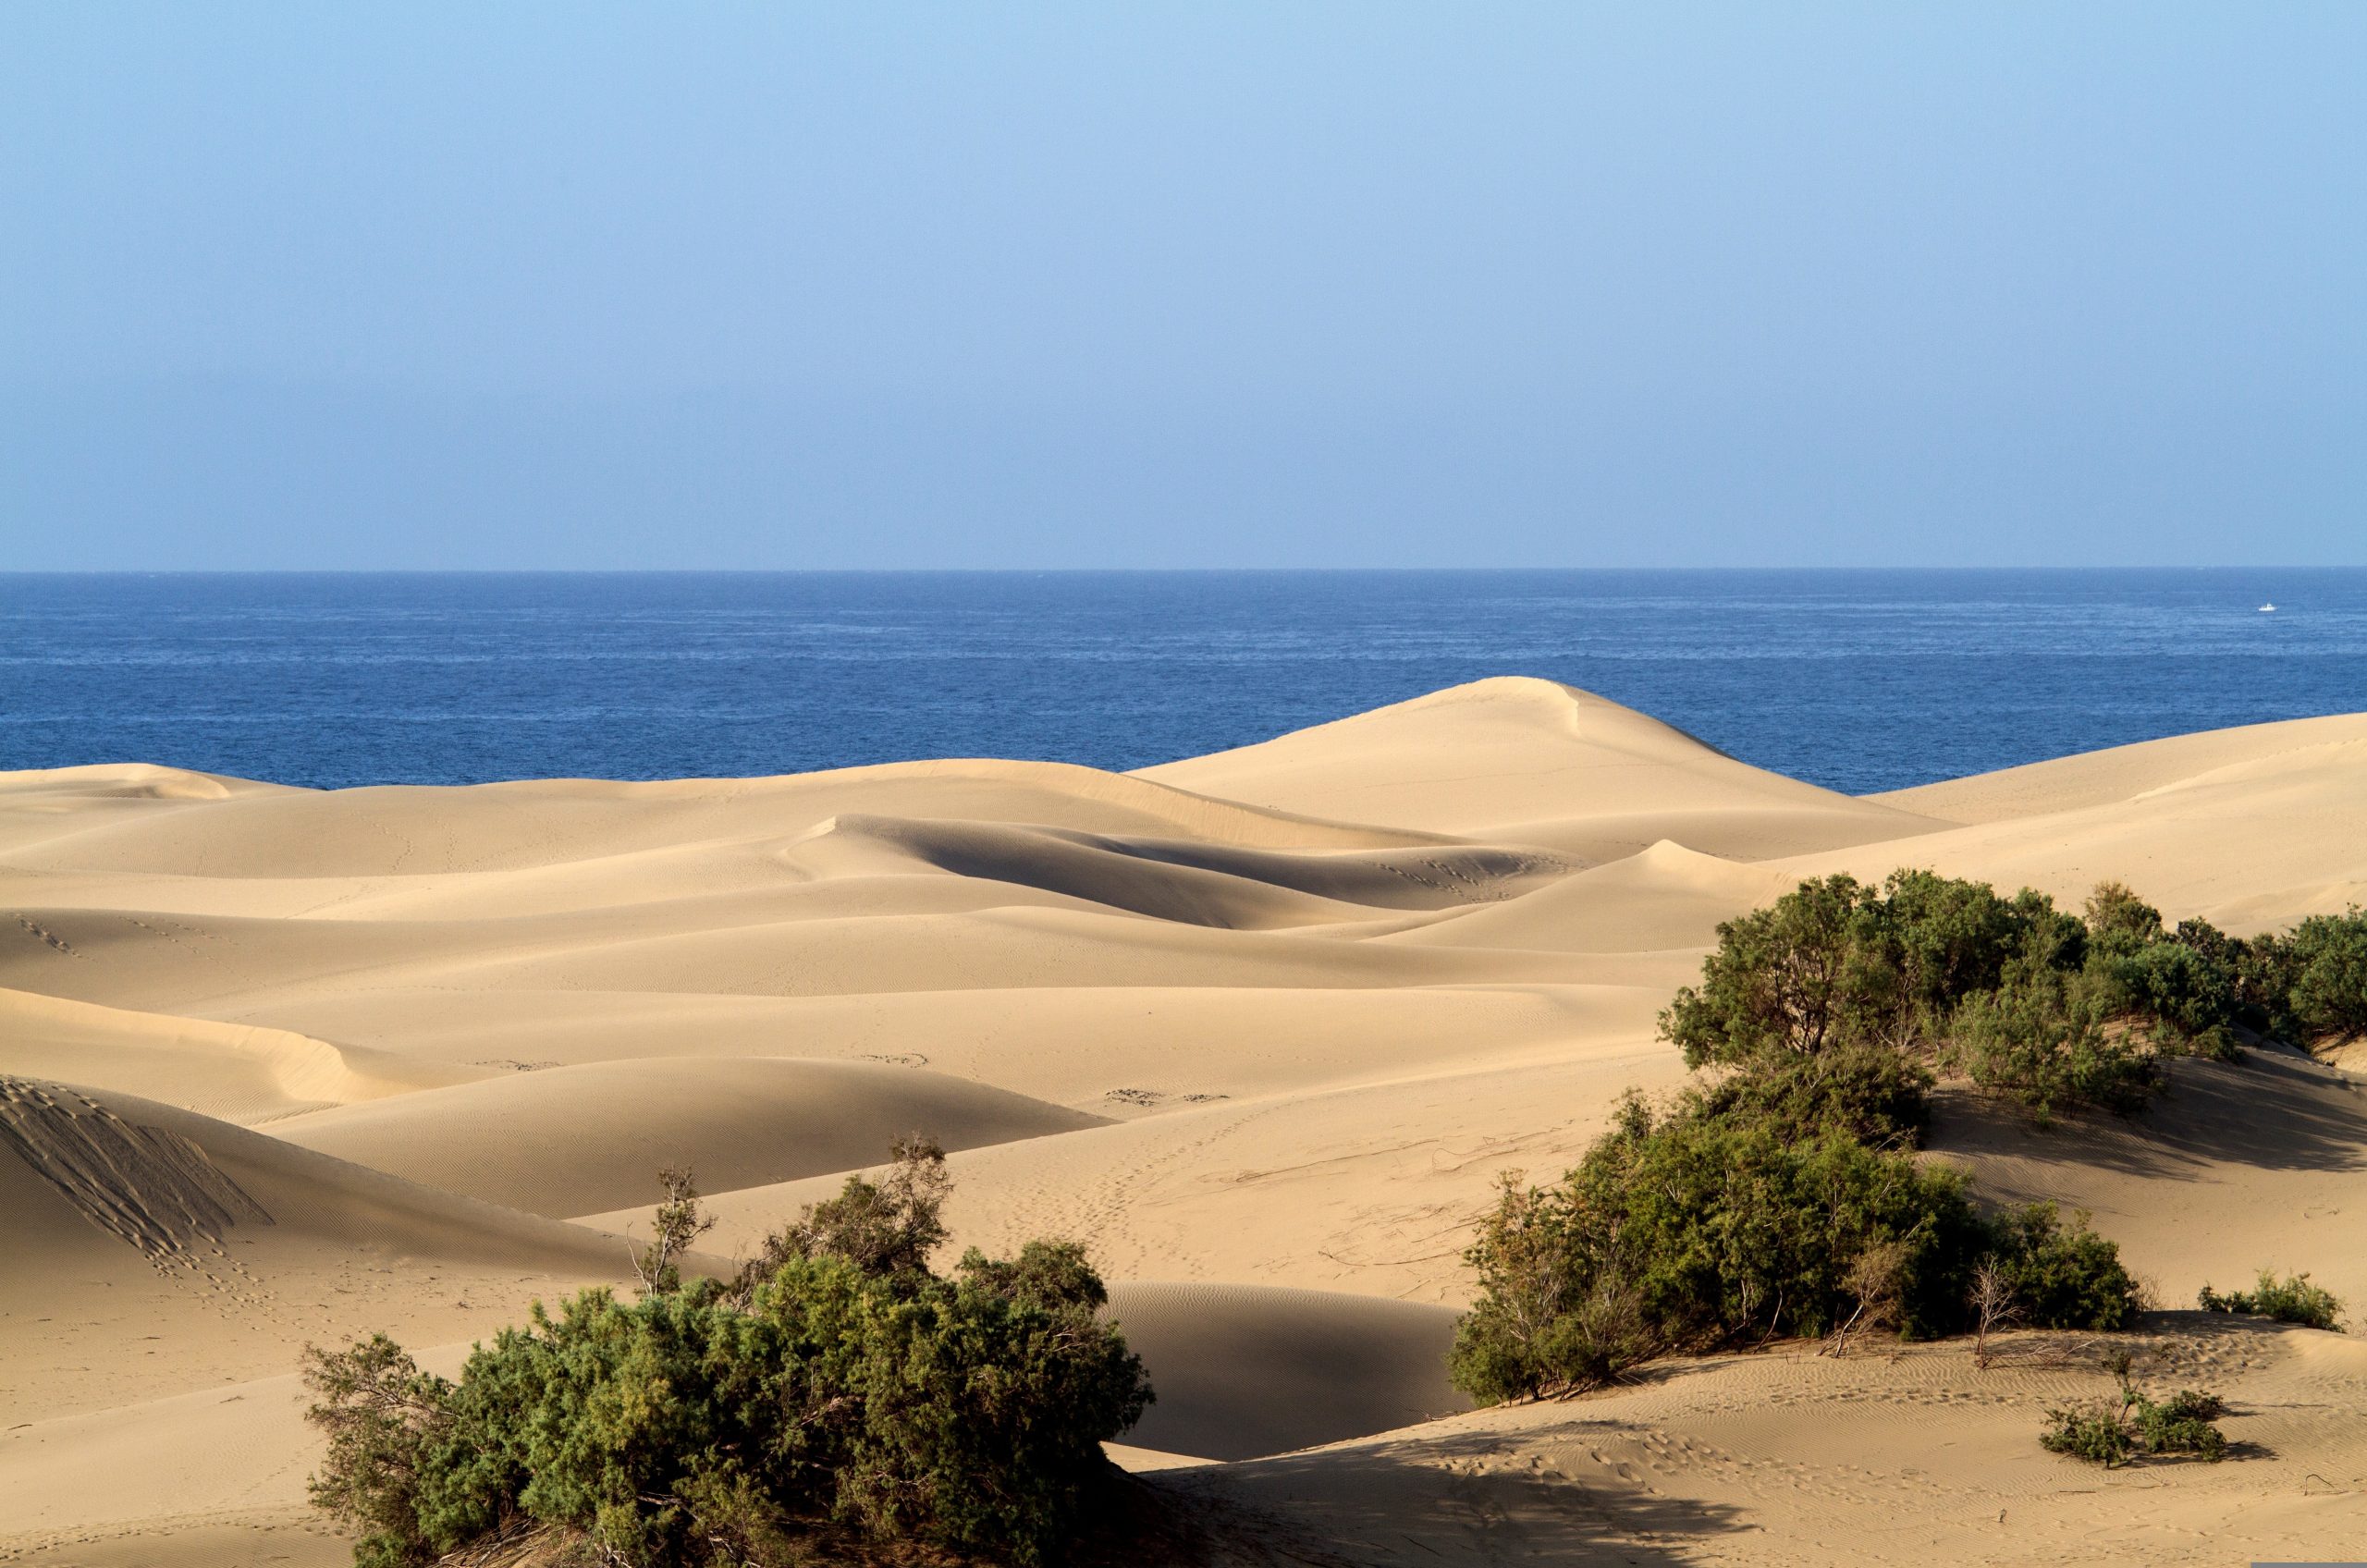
(1692, 1230)
(1807, 971)
(2291, 1300)
(678, 1223)
(2118, 918)
(1759, 1207)
(2186, 1000)
(2096, 1435)
(382, 1417)
(2110, 1432)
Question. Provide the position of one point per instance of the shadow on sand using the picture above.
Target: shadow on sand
(1433, 1502)
(2270, 1110)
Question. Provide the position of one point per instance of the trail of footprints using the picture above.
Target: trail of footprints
(150, 1188)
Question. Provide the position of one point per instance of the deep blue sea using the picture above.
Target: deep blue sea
(1861, 680)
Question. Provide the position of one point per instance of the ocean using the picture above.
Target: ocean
(1859, 680)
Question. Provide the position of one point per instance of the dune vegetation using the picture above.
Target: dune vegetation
(835, 1395)
(1781, 1198)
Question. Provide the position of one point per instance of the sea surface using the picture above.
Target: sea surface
(1859, 680)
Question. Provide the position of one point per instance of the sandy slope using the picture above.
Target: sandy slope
(1260, 1028)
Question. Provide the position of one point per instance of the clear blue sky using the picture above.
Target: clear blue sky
(1268, 284)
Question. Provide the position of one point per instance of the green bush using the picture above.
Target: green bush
(2098, 1436)
(1874, 1093)
(2062, 1276)
(887, 1229)
(1761, 1206)
(1778, 1199)
(2325, 996)
(1687, 1233)
(705, 1427)
(2029, 1001)
(1802, 974)
(2291, 1300)
(2110, 1432)
(2043, 1037)
(1723, 1223)
(1836, 962)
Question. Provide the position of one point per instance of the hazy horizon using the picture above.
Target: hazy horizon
(1057, 287)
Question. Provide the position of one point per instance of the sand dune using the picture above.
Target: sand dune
(1531, 761)
(577, 1138)
(237, 1073)
(159, 1250)
(2120, 773)
(1260, 1028)
(2252, 839)
(1662, 898)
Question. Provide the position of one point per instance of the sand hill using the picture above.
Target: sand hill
(1260, 1028)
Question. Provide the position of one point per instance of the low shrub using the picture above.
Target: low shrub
(1836, 962)
(1779, 1197)
(2059, 1275)
(2291, 1300)
(2029, 1001)
(1720, 1223)
(2095, 1434)
(2045, 1037)
(887, 1229)
(701, 1426)
(1874, 1093)
(2111, 1432)
(2316, 978)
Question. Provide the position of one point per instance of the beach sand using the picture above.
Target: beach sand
(1260, 1029)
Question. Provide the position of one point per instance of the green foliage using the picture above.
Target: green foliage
(2313, 982)
(1807, 971)
(1733, 1219)
(2027, 1001)
(1722, 1229)
(1761, 1206)
(887, 1229)
(2118, 919)
(2182, 987)
(383, 1416)
(2061, 1275)
(1545, 1321)
(1874, 1093)
(1779, 1198)
(2111, 1431)
(2043, 1037)
(703, 1425)
(678, 1223)
(2291, 1300)
(2098, 1436)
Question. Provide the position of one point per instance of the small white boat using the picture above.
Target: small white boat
(2268, 609)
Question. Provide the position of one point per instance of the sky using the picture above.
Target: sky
(1008, 285)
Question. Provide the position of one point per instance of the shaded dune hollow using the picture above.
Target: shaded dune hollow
(1244, 1371)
